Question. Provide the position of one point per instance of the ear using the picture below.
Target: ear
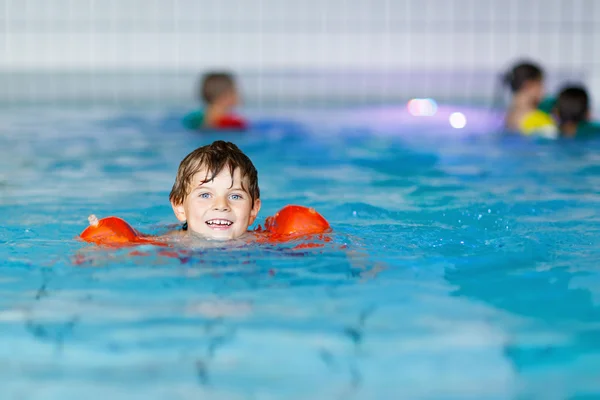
(179, 211)
(254, 212)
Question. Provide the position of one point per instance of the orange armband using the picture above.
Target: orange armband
(115, 232)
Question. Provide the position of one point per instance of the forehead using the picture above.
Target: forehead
(223, 177)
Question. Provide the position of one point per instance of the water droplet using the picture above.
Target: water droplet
(489, 211)
(354, 213)
(479, 216)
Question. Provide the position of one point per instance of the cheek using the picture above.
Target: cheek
(195, 209)
(243, 210)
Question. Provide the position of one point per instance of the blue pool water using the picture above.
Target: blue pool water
(471, 267)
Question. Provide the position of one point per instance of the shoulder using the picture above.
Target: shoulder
(511, 120)
(173, 234)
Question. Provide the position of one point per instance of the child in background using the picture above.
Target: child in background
(573, 113)
(526, 81)
(219, 94)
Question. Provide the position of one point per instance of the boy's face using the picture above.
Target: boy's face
(232, 98)
(536, 90)
(219, 209)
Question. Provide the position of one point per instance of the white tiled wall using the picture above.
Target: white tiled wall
(260, 37)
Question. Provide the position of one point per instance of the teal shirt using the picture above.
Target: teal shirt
(547, 105)
(194, 120)
(588, 130)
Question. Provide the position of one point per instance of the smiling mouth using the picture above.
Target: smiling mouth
(219, 223)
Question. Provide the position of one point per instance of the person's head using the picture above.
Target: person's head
(216, 191)
(526, 79)
(219, 88)
(572, 105)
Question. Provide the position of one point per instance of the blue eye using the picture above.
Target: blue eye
(236, 197)
(204, 195)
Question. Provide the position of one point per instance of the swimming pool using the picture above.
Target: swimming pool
(477, 275)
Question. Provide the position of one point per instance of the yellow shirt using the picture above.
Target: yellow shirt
(538, 123)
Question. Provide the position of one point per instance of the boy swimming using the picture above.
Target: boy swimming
(216, 196)
(219, 94)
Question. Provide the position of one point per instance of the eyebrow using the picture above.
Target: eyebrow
(201, 185)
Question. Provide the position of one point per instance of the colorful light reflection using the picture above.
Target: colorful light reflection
(422, 107)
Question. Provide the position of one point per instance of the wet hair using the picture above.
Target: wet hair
(572, 105)
(522, 73)
(214, 158)
(215, 84)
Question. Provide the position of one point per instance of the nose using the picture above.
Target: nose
(221, 204)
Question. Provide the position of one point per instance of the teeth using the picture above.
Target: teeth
(219, 222)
